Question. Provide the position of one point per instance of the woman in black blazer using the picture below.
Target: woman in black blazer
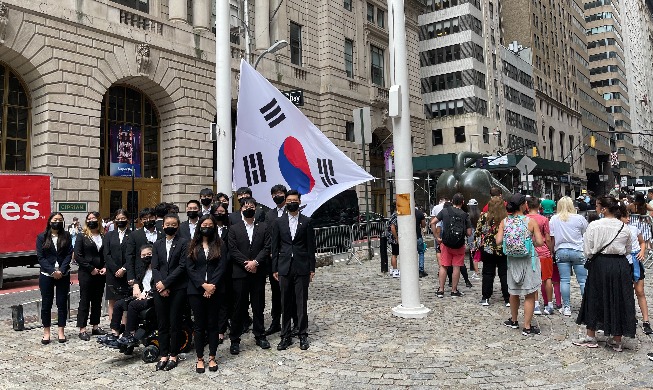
(205, 269)
(114, 247)
(54, 252)
(91, 275)
(170, 280)
(221, 218)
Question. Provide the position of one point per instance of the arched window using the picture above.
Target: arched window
(126, 108)
(14, 122)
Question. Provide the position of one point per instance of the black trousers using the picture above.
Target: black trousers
(205, 319)
(490, 265)
(463, 273)
(48, 285)
(169, 314)
(91, 290)
(248, 289)
(294, 298)
(275, 311)
(133, 307)
(226, 303)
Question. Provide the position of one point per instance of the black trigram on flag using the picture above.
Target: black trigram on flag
(272, 113)
(254, 169)
(325, 167)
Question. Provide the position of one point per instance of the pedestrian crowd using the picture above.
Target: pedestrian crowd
(207, 270)
(535, 246)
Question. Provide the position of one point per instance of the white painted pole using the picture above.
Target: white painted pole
(410, 306)
(248, 44)
(224, 143)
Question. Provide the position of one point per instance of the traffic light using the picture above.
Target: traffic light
(534, 151)
(592, 141)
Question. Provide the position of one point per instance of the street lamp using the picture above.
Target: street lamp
(278, 45)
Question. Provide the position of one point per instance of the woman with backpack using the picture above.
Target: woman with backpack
(492, 254)
(519, 236)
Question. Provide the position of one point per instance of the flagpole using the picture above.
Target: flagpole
(410, 306)
(224, 148)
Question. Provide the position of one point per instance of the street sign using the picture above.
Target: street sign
(70, 207)
(362, 122)
(526, 165)
(624, 181)
(296, 96)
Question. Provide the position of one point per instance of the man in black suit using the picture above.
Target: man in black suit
(293, 265)
(243, 193)
(187, 228)
(278, 193)
(206, 199)
(249, 249)
(170, 282)
(148, 234)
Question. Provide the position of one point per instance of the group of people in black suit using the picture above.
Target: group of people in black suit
(214, 263)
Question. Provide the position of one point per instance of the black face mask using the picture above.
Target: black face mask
(292, 207)
(278, 199)
(92, 224)
(146, 260)
(56, 226)
(206, 202)
(207, 232)
(192, 214)
(122, 224)
(149, 224)
(170, 230)
(249, 213)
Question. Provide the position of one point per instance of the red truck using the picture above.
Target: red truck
(25, 204)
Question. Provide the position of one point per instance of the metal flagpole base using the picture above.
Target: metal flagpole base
(417, 312)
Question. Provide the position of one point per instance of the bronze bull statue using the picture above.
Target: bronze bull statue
(473, 183)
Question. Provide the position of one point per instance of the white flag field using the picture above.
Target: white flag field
(277, 144)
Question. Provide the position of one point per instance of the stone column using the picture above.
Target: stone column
(202, 14)
(178, 11)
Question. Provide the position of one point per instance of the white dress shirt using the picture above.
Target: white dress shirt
(121, 235)
(147, 280)
(55, 239)
(97, 239)
(292, 222)
(192, 227)
(250, 230)
(280, 211)
(168, 246)
(151, 235)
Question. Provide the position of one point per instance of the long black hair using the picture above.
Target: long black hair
(63, 239)
(215, 245)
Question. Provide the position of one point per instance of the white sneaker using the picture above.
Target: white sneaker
(475, 276)
(395, 273)
(548, 310)
(565, 311)
(537, 311)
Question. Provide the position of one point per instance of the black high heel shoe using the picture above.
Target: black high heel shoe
(45, 341)
(200, 370)
(213, 368)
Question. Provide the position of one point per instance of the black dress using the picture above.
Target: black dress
(608, 302)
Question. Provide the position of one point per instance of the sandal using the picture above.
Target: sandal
(213, 368)
(198, 369)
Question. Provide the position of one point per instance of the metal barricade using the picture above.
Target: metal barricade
(333, 239)
(644, 224)
(361, 234)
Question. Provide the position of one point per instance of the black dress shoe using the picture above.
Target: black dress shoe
(98, 331)
(284, 344)
(161, 365)
(170, 365)
(303, 343)
(274, 328)
(84, 336)
(263, 343)
(234, 349)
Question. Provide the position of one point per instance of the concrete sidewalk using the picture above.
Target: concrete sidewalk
(356, 343)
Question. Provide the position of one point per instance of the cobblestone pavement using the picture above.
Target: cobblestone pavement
(357, 343)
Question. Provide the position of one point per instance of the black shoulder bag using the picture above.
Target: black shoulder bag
(589, 261)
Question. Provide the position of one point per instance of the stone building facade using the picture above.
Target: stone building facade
(75, 72)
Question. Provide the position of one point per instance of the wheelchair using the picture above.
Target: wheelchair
(147, 335)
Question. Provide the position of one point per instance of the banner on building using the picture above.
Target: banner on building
(26, 201)
(124, 150)
(277, 144)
